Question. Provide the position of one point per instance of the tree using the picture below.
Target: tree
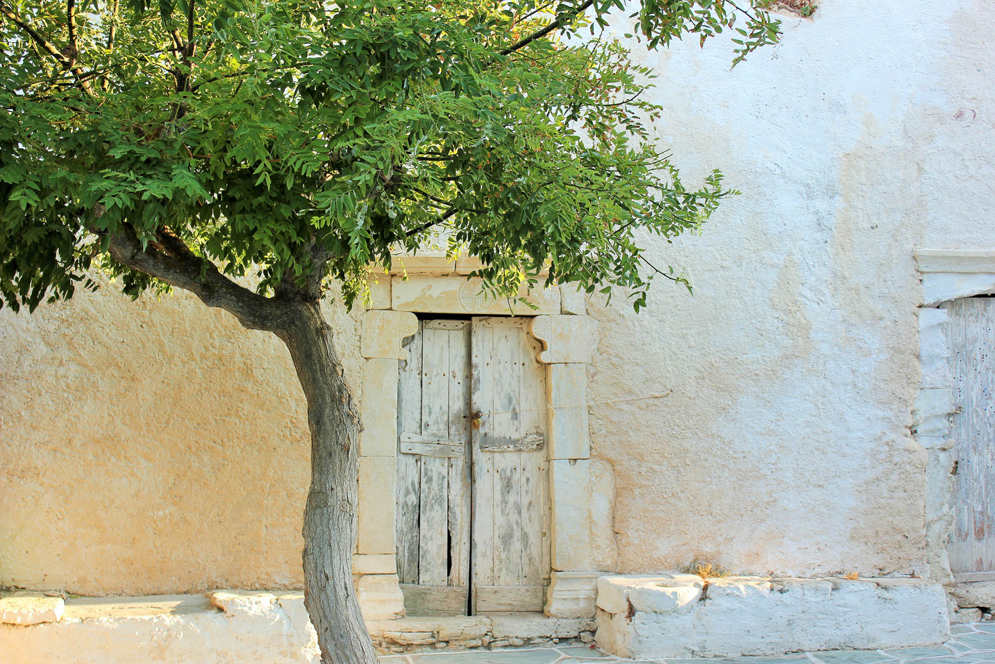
(204, 144)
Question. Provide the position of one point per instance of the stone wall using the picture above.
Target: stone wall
(763, 424)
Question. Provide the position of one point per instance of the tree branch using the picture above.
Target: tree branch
(177, 266)
(112, 30)
(555, 25)
(427, 225)
(71, 22)
(38, 38)
(310, 290)
(47, 46)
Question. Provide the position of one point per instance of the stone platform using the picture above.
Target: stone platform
(682, 615)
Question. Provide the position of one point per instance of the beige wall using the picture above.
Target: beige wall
(158, 447)
(149, 447)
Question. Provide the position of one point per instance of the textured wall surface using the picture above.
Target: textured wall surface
(150, 447)
(158, 447)
(784, 443)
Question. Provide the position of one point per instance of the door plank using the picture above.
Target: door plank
(534, 464)
(482, 400)
(531, 443)
(433, 526)
(459, 465)
(409, 467)
(436, 450)
(510, 599)
(413, 438)
(971, 334)
(434, 600)
(506, 424)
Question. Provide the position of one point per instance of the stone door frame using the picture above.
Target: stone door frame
(434, 284)
(947, 274)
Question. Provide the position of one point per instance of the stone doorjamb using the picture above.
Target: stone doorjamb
(581, 490)
(946, 275)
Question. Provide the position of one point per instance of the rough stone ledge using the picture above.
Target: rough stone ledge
(465, 632)
(974, 595)
(680, 615)
(240, 625)
(27, 608)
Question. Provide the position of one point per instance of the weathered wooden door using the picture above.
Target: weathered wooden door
(972, 362)
(433, 469)
(472, 516)
(510, 517)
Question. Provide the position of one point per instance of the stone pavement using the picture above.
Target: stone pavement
(970, 644)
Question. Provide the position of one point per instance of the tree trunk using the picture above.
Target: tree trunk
(329, 518)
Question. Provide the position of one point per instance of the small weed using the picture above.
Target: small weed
(852, 576)
(705, 570)
(803, 8)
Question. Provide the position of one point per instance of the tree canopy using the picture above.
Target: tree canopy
(304, 140)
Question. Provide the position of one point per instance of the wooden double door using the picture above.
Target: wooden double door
(472, 515)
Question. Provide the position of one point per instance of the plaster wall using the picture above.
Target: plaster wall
(150, 446)
(158, 447)
(784, 444)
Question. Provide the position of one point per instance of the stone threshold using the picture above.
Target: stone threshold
(415, 633)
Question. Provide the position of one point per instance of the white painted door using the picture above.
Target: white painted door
(972, 363)
(471, 450)
(510, 562)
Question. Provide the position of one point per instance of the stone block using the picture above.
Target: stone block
(380, 597)
(934, 351)
(941, 287)
(384, 563)
(973, 595)
(437, 625)
(569, 433)
(243, 603)
(27, 608)
(583, 494)
(383, 332)
(376, 505)
(462, 631)
(614, 593)
(573, 302)
(459, 295)
(528, 627)
(961, 616)
(379, 285)
(411, 638)
(379, 411)
(643, 618)
(572, 594)
(566, 339)
(933, 408)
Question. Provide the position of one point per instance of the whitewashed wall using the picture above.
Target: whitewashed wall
(784, 444)
(160, 448)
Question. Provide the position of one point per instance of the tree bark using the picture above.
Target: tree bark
(329, 518)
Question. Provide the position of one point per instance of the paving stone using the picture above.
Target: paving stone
(544, 656)
(974, 644)
(978, 640)
(851, 657)
(582, 652)
(918, 653)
